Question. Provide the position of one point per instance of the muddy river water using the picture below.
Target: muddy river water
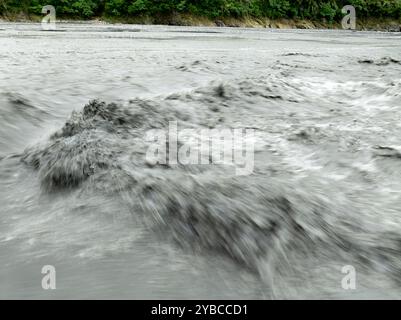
(77, 192)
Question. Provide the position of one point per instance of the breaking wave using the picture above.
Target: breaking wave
(317, 191)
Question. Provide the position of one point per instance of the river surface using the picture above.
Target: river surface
(77, 193)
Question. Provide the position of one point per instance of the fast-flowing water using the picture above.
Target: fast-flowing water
(78, 193)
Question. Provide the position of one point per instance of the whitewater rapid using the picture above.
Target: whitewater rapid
(78, 192)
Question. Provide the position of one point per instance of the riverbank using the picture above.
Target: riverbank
(363, 24)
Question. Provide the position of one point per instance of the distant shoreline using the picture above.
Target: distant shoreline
(365, 24)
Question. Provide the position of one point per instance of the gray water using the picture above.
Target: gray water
(77, 193)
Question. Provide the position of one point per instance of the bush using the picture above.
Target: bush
(328, 12)
(276, 8)
(84, 8)
(138, 6)
(116, 7)
(312, 9)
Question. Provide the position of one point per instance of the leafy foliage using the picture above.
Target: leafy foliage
(312, 9)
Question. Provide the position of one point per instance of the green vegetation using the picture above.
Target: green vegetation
(212, 9)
